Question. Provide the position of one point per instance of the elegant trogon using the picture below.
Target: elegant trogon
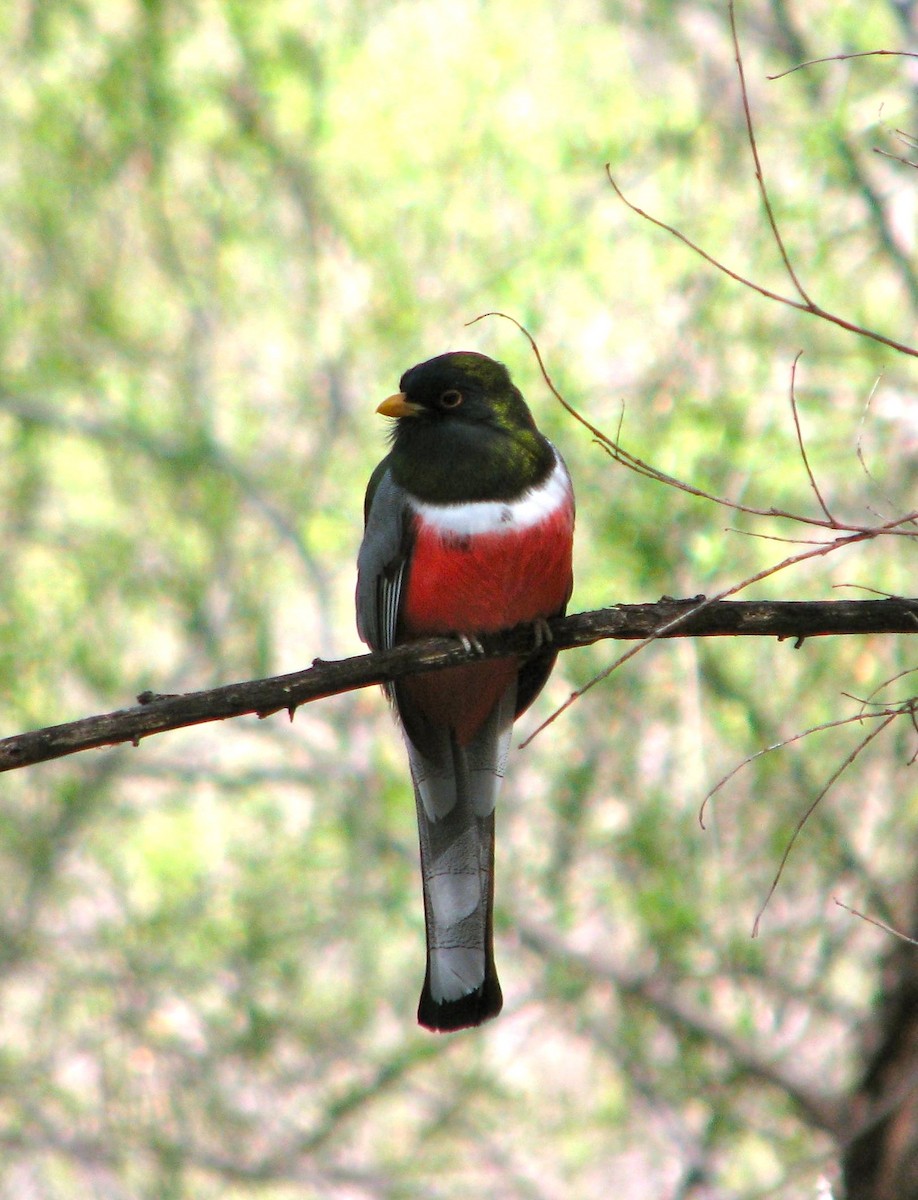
(469, 525)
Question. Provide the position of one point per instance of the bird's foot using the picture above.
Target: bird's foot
(541, 633)
(469, 643)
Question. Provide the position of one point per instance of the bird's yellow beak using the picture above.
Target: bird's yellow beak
(398, 406)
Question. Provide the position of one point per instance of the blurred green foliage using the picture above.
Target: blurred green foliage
(225, 231)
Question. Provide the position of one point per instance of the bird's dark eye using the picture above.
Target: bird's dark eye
(450, 399)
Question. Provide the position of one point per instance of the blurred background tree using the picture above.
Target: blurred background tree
(225, 231)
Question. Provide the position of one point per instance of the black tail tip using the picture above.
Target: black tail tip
(465, 1013)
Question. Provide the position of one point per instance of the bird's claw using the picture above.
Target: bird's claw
(542, 635)
(469, 643)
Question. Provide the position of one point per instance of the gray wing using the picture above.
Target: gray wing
(382, 560)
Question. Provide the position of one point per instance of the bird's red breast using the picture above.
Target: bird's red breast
(481, 583)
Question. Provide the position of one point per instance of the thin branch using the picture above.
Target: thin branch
(880, 924)
(814, 310)
(906, 162)
(858, 719)
(842, 767)
(860, 428)
(862, 587)
(909, 141)
(795, 620)
(869, 700)
(759, 173)
(774, 537)
(812, 62)
(801, 443)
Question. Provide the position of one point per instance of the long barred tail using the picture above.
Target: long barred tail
(455, 798)
(457, 867)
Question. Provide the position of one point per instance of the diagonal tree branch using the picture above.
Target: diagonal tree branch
(796, 620)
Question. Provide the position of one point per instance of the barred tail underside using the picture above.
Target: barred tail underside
(455, 798)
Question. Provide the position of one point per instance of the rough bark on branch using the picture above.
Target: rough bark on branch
(796, 620)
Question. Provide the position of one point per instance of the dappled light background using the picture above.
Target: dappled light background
(225, 231)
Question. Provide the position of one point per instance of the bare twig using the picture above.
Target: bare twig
(880, 924)
(813, 309)
(858, 718)
(774, 537)
(862, 587)
(759, 173)
(843, 766)
(859, 443)
(802, 444)
(869, 700)
(906, 162)
(812, 62)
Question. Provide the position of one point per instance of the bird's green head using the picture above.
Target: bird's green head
(463, 432)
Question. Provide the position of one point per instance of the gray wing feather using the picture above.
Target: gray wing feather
(381, 564)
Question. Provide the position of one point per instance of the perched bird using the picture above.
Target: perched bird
(469, 525)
